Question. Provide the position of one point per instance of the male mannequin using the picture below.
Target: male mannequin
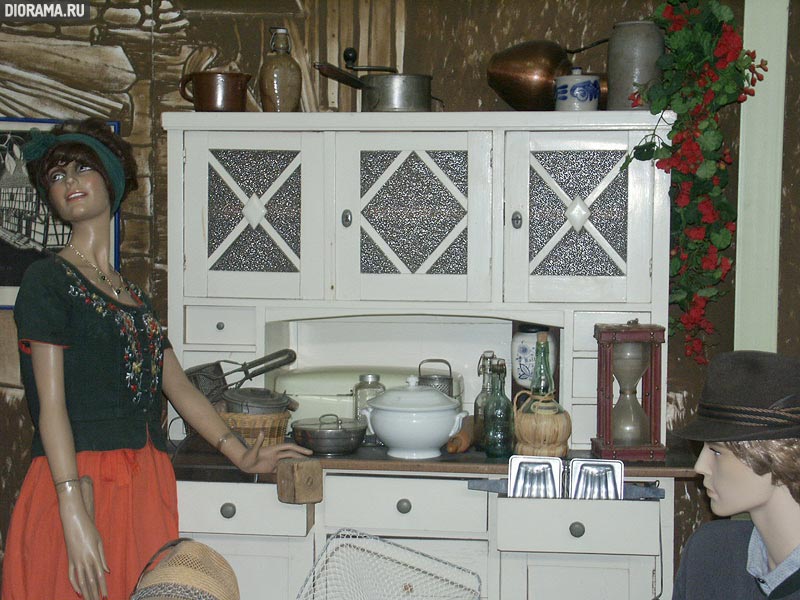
(749, 421)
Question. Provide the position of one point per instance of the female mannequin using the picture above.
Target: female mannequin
(749, 421)
(94, 361)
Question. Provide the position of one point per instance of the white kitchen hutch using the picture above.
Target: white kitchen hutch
(367, 238)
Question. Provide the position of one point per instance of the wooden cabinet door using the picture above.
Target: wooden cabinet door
(577, 227)
(252, 214)
(413, 216)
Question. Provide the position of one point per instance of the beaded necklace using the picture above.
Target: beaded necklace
(102, 276)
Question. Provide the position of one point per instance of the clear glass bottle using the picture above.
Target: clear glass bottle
(498, 424)
(480, 400)
(280, 79)
(369, 385)
(542, 377)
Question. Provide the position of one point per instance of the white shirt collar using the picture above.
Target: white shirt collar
(758, 564)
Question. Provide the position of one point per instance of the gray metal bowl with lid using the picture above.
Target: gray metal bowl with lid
(329, 434)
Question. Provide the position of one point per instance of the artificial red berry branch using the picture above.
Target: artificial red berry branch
(704, 69)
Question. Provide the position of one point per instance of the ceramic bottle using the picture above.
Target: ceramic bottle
(280, 80)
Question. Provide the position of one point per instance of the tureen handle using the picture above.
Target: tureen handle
(457, 426)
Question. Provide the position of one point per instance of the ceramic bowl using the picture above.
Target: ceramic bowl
(414, 421)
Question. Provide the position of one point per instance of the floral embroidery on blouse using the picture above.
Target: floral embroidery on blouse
(133, 354)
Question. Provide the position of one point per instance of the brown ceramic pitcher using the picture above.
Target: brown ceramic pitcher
(215, 91)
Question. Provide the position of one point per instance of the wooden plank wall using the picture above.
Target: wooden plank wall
(375, 28)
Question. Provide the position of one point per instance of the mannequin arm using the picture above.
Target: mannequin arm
(201, 415)
(87, 561)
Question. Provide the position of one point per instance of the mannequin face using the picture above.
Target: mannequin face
(731, 485)
(78, 192)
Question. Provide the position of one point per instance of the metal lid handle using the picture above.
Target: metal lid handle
(433, 360)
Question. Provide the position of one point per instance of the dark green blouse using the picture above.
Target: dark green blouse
(113, 357)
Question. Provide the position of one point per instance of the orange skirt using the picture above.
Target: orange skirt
(136, 512)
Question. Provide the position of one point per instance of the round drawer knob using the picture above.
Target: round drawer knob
(404, 506)
(220, 325)
(227, 510)
(577, 529)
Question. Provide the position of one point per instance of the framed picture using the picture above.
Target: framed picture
(29, 229)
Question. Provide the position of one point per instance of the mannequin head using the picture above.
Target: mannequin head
(95, 146)
(749, 421)
(731, 484)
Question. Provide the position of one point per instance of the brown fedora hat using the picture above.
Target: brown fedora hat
(748, 395)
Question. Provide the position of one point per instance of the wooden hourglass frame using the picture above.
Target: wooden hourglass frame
(607, 335)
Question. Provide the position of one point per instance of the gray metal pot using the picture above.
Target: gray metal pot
(396, 93)
(383, 92)
(329, 434)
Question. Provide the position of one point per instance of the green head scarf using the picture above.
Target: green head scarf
(41, 142)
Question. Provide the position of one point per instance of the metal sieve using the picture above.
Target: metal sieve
(443, 383)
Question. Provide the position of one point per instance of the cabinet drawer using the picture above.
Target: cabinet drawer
(252, 508)
(609, 526)
(429, 504)
(221, 325)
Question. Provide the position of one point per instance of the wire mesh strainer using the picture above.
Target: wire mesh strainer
(357, 566)
(210, 378)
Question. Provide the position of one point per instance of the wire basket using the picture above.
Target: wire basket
(248, 426)
(357, 566)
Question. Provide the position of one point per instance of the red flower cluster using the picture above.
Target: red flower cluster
(711, 259)
(694, 321)
(706, 208)
(684, 195)
(755, 76)
(686, 158)
(677, 22)
(708, 76)
(697, 234)
(729, 46)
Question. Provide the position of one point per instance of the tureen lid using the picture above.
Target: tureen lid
(413, 397)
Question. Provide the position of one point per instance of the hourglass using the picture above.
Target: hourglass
(629, 430)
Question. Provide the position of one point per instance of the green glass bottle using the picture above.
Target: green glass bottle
(498, 419)
(542, 379)
(484, 365)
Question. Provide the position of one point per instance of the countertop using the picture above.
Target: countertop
(196, 460)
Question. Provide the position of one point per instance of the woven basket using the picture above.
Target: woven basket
(189, 570)
(249, 426)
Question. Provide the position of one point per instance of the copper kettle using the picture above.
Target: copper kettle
(524, 75)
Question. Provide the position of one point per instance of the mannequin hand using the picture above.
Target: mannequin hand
(87, 561)
(258, 459)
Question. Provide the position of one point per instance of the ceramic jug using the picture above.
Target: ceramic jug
(633, 49)
(279, 79)
(216, 91)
